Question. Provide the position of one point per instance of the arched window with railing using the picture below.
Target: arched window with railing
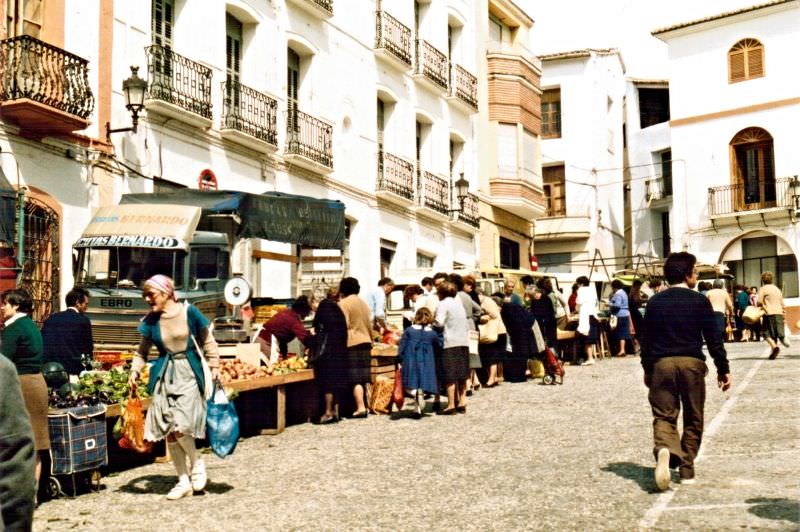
(745, 60)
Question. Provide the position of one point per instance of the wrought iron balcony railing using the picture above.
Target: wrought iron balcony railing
(178, 80)
(393, 36)
(752, 196)
(431, 63)
(327, 5)
(658, 188)
(395, 175)
(464, 85)
(470, 214)
(250, 112)
(32, 69)
(435, 192)
(309, 137)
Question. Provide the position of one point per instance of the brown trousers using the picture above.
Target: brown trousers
(678, 382)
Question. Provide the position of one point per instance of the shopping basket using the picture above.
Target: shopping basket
(78, 445)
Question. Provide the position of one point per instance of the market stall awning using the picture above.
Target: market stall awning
(8, 208)
(273, 216)
(141, 226)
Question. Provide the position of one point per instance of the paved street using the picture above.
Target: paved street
(526, 456)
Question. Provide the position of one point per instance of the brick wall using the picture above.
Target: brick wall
(512, 96)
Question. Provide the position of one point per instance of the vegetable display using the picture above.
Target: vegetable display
(95, 387)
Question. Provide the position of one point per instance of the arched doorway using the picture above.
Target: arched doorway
(749, 255)
(753, 169)
(41, 267)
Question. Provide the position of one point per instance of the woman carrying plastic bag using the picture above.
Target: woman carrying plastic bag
(178, 379)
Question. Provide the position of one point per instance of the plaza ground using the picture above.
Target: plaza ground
(525, 456)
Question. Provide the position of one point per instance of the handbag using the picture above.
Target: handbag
(474, 339)
(222, 423)
(538, 337)
(207, 378)
(488, 332)
(612, 322)
(752, 315)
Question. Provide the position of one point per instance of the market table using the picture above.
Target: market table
(273, 381)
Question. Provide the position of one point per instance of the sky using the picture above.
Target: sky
(623, 24)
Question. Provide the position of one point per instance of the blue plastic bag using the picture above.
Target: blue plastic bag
(222, 423)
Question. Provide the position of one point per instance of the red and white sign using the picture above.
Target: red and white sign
(207, 180)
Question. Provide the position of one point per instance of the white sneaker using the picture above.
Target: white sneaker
(588, 363)
(662, 475)
(785, 342)
(199, 477)
(181, 489)
(688, 481)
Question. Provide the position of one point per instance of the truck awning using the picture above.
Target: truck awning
(272, 216)
(140, 226)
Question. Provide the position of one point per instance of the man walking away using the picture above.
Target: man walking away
(676, 322)
(67, 335)
(721, 303)
(770, 299)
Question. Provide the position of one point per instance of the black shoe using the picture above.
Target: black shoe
(461, 409)
(446, 412)
(469, 393)
(328, 420)
(360, 415)
(774, 354)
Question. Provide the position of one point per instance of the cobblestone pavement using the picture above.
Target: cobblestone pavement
(526, 456)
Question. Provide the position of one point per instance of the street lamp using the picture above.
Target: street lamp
(134, 89)
(462, 191)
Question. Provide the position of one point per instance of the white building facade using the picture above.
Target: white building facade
(583, 95)
(356, 102)
(734, 114)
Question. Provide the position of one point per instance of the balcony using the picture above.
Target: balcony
(309, 142)
(434, 197)
(573, 223)
(249, 117)
(392, 41)
(178, 87)
(658, 189)
(758, 198)
(431, 66)
(319, 8)
(469, 218)
(463, 89)
(518, 194)
(395, 182)
(43, 89)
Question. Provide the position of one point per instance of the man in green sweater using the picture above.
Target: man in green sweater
(17, 483)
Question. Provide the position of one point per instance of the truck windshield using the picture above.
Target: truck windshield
(127, 267)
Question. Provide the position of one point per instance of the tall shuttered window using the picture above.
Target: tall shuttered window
(551, 113)
(555, 190)
(24, 17)
(162, 22)
(745, 60)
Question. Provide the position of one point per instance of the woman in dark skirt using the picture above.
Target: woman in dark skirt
(359, 341)
(492, 353)
(453, 366)
(22, 345)
(518, 322)
(330, 350)
(619, 308)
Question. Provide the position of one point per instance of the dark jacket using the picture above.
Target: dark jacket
(330, 331)
(518, 322)
(17, 483)
(22, 345)
(676, 323)
(542, 309)
(286, 325)
(66, 336)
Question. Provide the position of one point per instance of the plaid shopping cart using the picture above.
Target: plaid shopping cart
(78, 444)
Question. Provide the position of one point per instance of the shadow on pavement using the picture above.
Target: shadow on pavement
(640, 474)
(161, 484)
(778, 509)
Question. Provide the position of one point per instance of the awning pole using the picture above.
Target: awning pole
(20, 233)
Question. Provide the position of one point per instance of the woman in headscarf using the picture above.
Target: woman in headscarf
(177, 385)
